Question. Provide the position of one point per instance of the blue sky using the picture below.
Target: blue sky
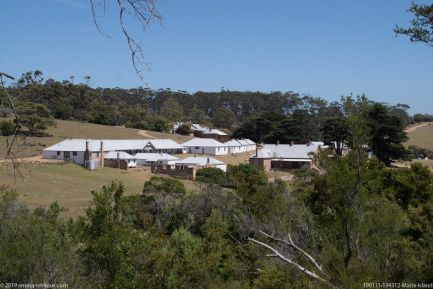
(321, 48)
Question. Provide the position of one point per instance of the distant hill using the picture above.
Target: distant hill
(421, 135)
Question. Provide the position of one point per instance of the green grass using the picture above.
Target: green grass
(70, 184)
(422, 137)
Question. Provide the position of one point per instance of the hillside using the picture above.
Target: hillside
(73, 129)
(421, 135)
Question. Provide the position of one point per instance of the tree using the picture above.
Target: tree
(7, 128)
(336, 130)
(35, 117)
(421, 29)
(172, 110)
(184, 129)
(387, 134)
(224, 118)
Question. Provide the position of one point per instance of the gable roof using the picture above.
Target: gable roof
(203, 142)
(154, 157)
(112, 144)
(118, 155)
(199, 161)
(286, 151)
(233, 143)
(164, 144)
(214, 131)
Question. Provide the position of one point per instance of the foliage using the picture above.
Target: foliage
(158, 185)
(35, 117)
(184, 129)
(224, 118)
(211, 175)
(387, 134)
(7, 127)
(421, 29)
(419, 152)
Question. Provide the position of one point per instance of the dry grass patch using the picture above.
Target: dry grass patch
(422, 136)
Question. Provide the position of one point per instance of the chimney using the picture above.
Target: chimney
(309, 143)
(292, 142)
(208, 161)
(101, 155)
(278, 141)
(86, 152)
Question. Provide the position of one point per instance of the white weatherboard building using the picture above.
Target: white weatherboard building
(130, 160)
(206, 146)
(201, 162)
(75, 149)
(286, 156)
(148, 159)
(236, 146)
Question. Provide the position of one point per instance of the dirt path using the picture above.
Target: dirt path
(144, 133)
(416, 127)
(35, 159)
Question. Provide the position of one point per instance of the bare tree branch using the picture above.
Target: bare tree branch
(320, 276)
(145, 12)
(10, 154)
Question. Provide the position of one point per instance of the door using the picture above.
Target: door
(66, 155)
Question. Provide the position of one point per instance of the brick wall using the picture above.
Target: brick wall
(175, 171)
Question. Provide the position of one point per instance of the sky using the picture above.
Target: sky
(320, 48)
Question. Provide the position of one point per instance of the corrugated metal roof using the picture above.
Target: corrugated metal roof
(214, 131)
(200, 161)
(203, 142)
(112, 144)
(285, 151)
(118, 155)
(233, 143)
(154, 157)
(165, 144)
(250, 141)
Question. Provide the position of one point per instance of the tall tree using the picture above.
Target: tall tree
(421, 29)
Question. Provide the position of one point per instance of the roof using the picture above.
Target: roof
(112, 144)
(199, 161)
(233, 143)
(214, 131)
(154, 157)
(165, 144)
(243, 142)
(286, 151)
(250, 141)
(203, 142)
(196, 126)
(118, 155)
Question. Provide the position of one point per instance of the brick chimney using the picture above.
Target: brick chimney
(87, 152)
(101, 155)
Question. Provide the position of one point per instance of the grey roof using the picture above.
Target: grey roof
(233, 143)
(286, 151)
(199, 161)
(118, 155)
(112, 144)
(214, 131)
(165, 144)
(250, 141)
(203, 142)
(154, 157)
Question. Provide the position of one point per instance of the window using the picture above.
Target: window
(74, 153)
(58, 153)
(197, 148)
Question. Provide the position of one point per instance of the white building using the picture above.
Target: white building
(206, 146)
(130, 160)
(234, 146)
(201, 162)
(148, 159)
(74, 149)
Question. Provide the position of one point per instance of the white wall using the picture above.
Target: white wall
(213, 151)
(79, 158)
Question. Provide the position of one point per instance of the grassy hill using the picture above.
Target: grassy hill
(421, 136)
